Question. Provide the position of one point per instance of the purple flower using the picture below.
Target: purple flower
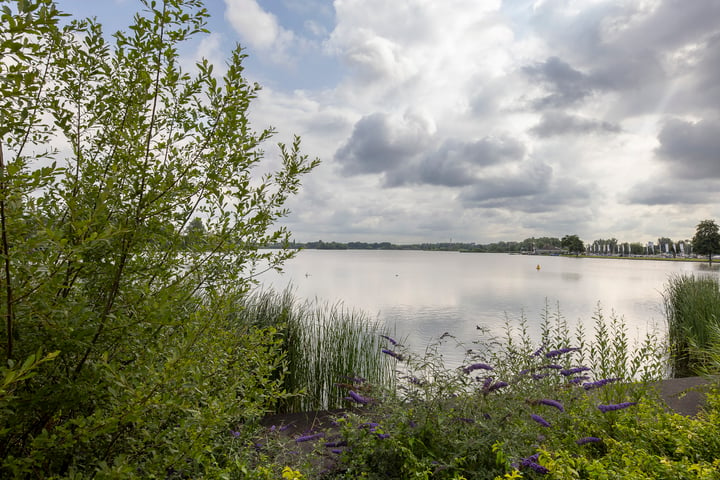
(477, 366)
(392, 354)
(497, 386)
(307, 438)
(553, 367)
(337, 451)
(540, 420)
(285, 427)
(617, 406)
(538, 376)
(391, 340)
(531, 462)
(383, 435)
(341, 443)
(599, 383)
(573, 371)
(486, 384)
(234, 433)
(579, 379)
(586, 440)
(357, 398)
(557, 353)
(370, 426)
(552, 403)
(537, 352)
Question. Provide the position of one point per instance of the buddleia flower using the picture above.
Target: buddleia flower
(540, 420)
(616, 406)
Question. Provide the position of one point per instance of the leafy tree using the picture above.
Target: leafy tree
(195, 233)
(573, 244)
(707, 239)
(107, 153)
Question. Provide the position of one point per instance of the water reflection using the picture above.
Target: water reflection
(421, 295)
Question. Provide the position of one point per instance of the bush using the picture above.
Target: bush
(108, 153)
(512, 400)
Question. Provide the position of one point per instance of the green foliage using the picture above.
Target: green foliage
(477, 421)
(324, 346)
(691, 309)
(108, 151)
(573, 244)
(707, 239)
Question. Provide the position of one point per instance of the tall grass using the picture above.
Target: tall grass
(692, 308)
(324, 344)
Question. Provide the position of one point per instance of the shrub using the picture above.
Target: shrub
(107, 155)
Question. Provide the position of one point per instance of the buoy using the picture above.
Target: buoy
(538, 267)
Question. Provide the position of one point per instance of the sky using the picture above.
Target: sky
(482, 120)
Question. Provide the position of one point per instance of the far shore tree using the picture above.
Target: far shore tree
(573, 244)
(707, 239)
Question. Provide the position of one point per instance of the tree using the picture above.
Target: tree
(707, 239)
(573, 244)
(107, 153)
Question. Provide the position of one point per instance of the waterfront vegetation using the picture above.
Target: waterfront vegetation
(133, 347)
(323, 346)
(692, 309)
(565, 405)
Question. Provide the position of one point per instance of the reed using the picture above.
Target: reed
(324, 345)
(692, 306)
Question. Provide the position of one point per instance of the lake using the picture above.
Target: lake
(420, 295)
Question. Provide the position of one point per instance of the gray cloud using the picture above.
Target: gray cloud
(567, 85)
(690, 149)
(559, 123)
(672, 192)
(380, 143)
(458, 163)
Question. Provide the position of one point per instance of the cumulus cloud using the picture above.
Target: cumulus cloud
(257, 27)
(381, 142)
(560, 123)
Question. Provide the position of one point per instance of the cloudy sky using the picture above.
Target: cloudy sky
(483, 120)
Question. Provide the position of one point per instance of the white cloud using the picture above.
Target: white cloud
(257, 28)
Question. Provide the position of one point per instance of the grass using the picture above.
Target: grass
(325, 346)
(692, 306)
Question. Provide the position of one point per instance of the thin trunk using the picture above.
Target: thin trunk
(9, 317)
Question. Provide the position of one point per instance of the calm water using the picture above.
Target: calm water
(421, 295)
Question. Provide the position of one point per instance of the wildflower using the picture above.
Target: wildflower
(357, 398)
(580, 379)
(392, 354)
(383, 435)
(336, 451)
(537, 352)
(341, 443)
(486, 384)
(285, 427)
(585, 440)
(234, 433)
(370, 426)
(497, 386)
(531, 462)
(557, 353)
(540, 420)
(391, 340)
(538, 376)
(552, 366)
(599, 383)
(477, 366)
(307, 438)
(617, 406)
(552, 403)
(572, 371)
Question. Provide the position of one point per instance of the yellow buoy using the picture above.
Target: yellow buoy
(538, 267)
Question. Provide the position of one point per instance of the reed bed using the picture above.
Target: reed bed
(325, 345)
(692, 307)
